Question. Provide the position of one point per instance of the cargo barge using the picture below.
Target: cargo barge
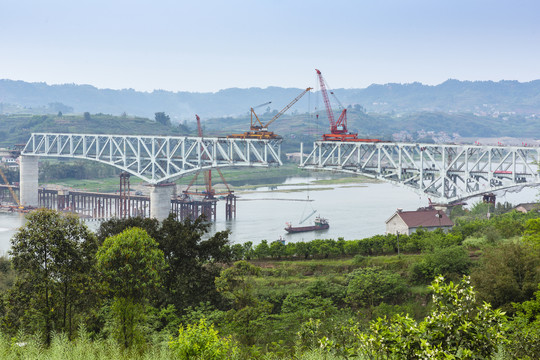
(320, 224)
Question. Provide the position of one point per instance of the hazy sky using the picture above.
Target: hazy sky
(206, 46)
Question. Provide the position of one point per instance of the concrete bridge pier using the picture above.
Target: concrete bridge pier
(160, 200)
(28, 180)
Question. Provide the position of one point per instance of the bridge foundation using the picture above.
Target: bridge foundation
(160, 200)
(28, 180)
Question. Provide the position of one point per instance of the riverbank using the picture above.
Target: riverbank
(238, 179)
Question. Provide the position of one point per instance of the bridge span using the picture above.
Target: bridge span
(445, 173)
(157, 160)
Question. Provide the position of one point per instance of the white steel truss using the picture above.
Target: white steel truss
(445, 173)
(157, 159)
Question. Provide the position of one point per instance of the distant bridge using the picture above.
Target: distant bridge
(156, 159)
(445, 173)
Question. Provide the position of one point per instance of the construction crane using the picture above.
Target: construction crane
(259, 130)
(254, 115)
(15, 197)
(209, 192)
(338, 128)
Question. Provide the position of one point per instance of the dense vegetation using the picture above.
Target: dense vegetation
(139, 288)
(16, 129)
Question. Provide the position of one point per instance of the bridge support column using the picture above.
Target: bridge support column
(28, 181)
(160, 200)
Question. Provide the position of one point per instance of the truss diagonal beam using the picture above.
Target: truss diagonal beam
(156, 159)
(445, 173)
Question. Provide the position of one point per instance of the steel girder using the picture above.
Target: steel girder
(445, 173)
(156, 159)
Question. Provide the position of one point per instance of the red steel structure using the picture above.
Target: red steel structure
(209, 192)
(338, 129)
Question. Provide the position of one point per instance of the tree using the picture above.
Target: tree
(525, 330)
(277, 249)
(532, 232)
(368, 287)
(87, 116)
(192, 263)
(452, 262)
(53, 255)
(163, 118)
(262, 250)
(249, 314)
(507, 273)
(131, 264)
(457, 327)
(115, 226)
(236, 283)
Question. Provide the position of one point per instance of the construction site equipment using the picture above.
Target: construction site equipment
(209, 192)
(338, 128)
(125, 193)
(192, 204)
(15, 197)
(259, 130)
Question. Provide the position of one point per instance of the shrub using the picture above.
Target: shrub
(201, 341)
(451, 262)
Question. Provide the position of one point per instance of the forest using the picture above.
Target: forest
(143, 289)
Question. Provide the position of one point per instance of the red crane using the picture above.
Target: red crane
(209, 191)
(338, 129)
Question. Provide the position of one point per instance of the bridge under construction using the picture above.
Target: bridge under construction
(157, 160)
(444, 173)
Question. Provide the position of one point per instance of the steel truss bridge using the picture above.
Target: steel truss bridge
(156, 159)
(444, 173)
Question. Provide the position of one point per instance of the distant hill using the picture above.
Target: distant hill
(480, 97)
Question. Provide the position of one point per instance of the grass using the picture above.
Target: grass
(82, 347)
(111, 184)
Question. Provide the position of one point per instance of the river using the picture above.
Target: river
(354, 211)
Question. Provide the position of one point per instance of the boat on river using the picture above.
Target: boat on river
(319, 224)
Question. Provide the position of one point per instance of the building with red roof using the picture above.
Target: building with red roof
(407, 222)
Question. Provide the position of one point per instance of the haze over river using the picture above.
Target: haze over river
(354, 211)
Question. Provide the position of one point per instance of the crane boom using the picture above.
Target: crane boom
(10, 188)
(260, 131)
(256, 117)
(199, 128)
(287, 107)
(324, 93)
(336, 127)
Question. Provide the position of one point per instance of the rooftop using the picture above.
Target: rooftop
(425, 218)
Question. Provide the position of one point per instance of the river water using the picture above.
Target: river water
(354, 211)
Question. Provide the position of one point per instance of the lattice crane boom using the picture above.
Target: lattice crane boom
(15, 197)
(287, 107)
(324, 93)
(256, 117)
(339, 126)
